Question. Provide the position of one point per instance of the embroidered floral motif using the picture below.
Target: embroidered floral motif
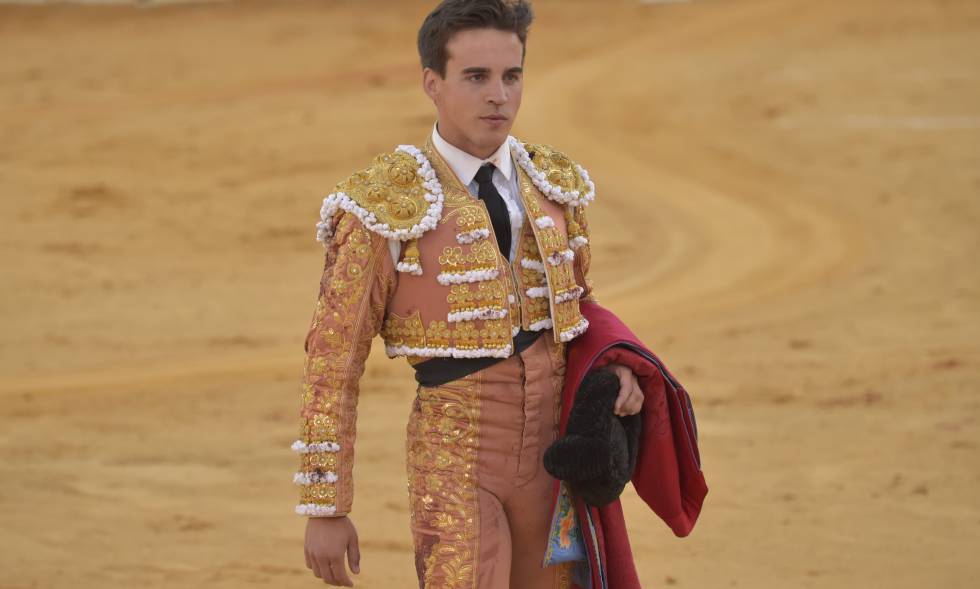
(479, 263)
(444, 510)
(471, 224)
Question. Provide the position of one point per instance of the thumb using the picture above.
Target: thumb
(354, 556)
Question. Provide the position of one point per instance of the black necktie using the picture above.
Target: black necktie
(499, 216)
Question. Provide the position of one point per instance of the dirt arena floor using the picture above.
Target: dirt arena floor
(787, 212)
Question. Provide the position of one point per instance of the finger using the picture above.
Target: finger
(306, 554)
(636, 402)
(633, 407)
(325, 573)
(316, 568)
(624, 390)
(340, 572)
(354, 555)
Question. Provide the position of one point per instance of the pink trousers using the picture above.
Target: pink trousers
(478, 491)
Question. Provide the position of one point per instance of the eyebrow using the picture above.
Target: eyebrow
(484, 70)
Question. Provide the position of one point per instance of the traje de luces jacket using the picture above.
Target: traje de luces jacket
(452, 293)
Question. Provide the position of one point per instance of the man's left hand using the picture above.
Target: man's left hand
(630, 398)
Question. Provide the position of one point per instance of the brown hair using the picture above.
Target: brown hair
(452, 16)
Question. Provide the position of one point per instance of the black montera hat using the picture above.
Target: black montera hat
(597, 454)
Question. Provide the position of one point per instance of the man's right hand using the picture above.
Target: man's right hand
(327, 539)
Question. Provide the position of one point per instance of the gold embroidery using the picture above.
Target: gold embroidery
(453, 191)
(561, 277)
(563, 575)
(469, 296)
(572, 226)
(437, 335)
(441, 452)
(557, 167)
(318, 461)
(404, 331)
(471, 218)
(338, 342)
(411, 253)
(567, 315)
(482, 255)
(440, 334)
(583, 258)
(390, 189)
(322, 493)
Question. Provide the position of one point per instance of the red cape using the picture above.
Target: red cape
(668, 473)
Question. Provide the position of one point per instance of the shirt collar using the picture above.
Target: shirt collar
(466, 165)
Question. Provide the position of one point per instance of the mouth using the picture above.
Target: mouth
(494, 118)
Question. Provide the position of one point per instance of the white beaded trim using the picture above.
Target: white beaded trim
(340, 200)
(515, 330)
(510, 298)
(449, 352)
(570, 294)
(480, 313)
(532, 264)
(314, 509)
(537, 292)
(471, 236)
(445, 278)
(303, 448)
(557, 257)
(577, 242)
(410, 268)
(574, 331)
(545, 221)
(545, 323)
(312, 478)
(550, 190)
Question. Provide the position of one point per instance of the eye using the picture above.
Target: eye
(475, 77)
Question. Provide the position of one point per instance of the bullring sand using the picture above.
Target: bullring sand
(787, 211)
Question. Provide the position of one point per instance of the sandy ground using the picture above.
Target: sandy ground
(787, 212)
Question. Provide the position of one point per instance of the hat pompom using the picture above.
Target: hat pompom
(597, 454)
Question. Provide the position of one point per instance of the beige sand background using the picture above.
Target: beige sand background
(787, 212)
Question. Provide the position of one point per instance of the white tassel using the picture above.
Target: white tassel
(445, 278)
(313, 478)
(412, 268)
(532, 264)
(303, 448)
(471, 236)
(449, 352)
(574, 331)
(474, 314)
(544, 221)
(545, 323)
(314, 509)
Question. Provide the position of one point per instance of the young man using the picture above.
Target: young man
(469, 256)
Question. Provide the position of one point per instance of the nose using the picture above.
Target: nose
(497, 93)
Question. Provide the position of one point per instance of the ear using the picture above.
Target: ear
(431, 83)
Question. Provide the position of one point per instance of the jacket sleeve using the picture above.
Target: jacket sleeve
(358, 278)
(583, 256)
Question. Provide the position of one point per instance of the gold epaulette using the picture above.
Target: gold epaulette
(397, 196)
(555, 174)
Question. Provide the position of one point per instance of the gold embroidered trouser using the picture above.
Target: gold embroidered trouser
(479, 495)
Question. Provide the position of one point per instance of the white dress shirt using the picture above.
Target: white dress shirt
(465, 166)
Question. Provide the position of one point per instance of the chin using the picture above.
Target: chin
(495, 138)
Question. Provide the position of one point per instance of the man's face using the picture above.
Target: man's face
(478, 99)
